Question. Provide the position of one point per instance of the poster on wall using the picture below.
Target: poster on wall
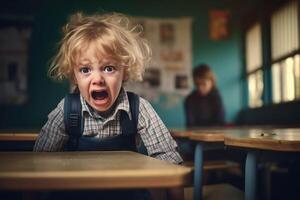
(219, 24)
(170, 67)
(14, 42)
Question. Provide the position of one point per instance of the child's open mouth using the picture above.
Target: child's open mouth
(99, 95)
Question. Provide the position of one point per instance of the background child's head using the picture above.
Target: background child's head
(204, 79)
(115, 37)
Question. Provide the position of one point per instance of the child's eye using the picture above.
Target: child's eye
(109, 69)
(85, 70)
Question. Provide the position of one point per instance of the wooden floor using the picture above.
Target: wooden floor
(216, 192)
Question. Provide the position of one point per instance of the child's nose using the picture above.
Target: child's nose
(98, 79)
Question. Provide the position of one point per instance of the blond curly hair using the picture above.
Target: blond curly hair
(115, 36)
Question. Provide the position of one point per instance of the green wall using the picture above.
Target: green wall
(44, 94)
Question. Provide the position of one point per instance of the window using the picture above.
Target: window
(285, 69)
(254, 65)
(273, 66)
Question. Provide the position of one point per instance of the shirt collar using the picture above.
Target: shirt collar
(122, 103)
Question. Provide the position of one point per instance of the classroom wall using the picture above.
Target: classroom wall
(44, 94)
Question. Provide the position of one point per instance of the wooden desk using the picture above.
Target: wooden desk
(254, 140)
(17, 141)
(87, 170)
(272, 139)
(26, 136)
(180, 133)
(207, 135)
(206, 139)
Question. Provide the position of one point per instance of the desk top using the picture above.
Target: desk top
(24, 136)
(271, 139)
(204, 135)
(87, 170)
(180, 133)
(208, 135)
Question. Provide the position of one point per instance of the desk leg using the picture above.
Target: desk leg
(250, 176)
(198, 172)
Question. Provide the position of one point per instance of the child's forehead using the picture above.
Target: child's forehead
(93, 52)
(95, 60)
(91, 48)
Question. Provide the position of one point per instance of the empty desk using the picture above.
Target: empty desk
(275, 143)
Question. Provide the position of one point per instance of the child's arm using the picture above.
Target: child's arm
(52, 136)
(156, 137)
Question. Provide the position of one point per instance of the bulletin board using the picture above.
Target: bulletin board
(170, 69)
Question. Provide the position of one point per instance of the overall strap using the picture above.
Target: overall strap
(129, 126)
(134, 109)
(73, 120)
(134, 104)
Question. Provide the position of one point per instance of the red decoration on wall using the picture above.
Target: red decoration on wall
(219, 24)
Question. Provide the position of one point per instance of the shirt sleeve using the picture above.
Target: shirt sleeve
(52, 136)
(155, 136)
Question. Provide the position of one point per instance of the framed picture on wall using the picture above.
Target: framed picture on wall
(14, 44)
(219, 24)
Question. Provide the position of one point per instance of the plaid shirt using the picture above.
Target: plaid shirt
(154, 134)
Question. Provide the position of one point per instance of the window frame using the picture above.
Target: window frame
(263, 17)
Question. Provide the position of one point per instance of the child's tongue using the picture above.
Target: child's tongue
(97, 95)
